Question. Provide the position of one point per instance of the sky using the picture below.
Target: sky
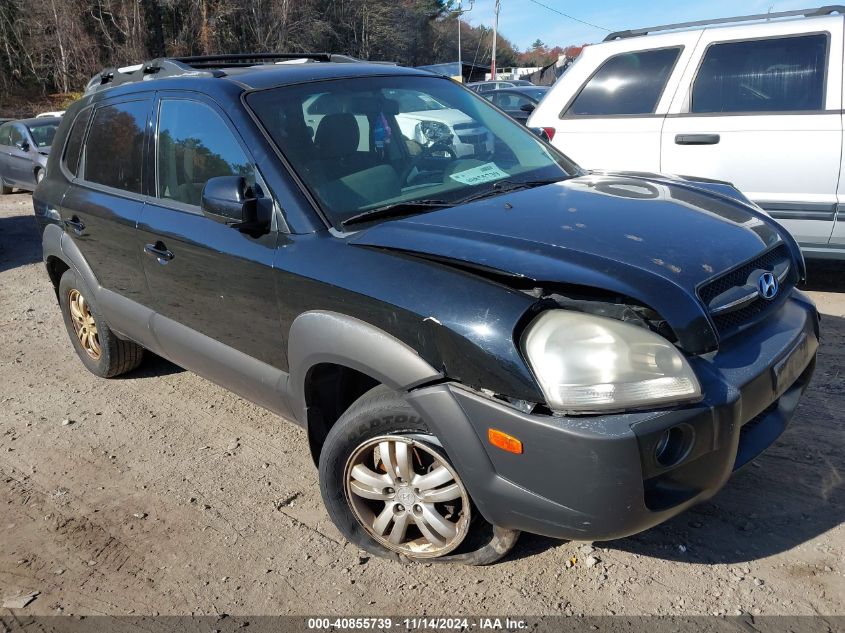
(524, 21)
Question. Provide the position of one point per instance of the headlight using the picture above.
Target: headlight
(586, 363)
(434, 131)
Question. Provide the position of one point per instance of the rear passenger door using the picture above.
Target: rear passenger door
(103, 203)
(205, 277)
(763, 112)
(618, 100)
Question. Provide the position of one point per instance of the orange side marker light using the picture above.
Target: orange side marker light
(504, 441)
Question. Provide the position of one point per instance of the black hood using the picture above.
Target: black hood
(654, 240)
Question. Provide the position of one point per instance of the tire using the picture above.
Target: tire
(103, 353)
(39, 176)
(351, 456)
(4, 188)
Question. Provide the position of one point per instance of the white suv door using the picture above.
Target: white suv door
(759, 106)
(607, 109)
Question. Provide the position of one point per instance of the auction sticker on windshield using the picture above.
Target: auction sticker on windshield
(488, 172)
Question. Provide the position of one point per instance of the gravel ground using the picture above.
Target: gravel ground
(160, 493)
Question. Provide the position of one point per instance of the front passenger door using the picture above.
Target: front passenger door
(213, 279)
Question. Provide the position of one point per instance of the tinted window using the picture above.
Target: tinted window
(115, 146)
(510, 100)
(5, 132)
(73, 148)
(629, 83)
(772, 75)
(194, 144)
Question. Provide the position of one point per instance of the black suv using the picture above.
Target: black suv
(479, 337)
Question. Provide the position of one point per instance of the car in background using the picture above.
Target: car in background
(757, 103)
(517, 102)
(487, 86)
(24, 147)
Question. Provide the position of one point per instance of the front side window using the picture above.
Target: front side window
(771, 75)
(6, 134)
(366, 143)
(194, 144)
(114, 149)
(626, 84)
(16, 136)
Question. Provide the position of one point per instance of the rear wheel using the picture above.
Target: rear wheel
(391, 489)
(99, 349)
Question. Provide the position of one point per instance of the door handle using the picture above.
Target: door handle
(76, 224)
(159, 251)
(696, 139)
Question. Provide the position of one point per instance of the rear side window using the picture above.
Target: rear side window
(114, 149)
(73, 149)
(628, 83)
(772, 75)
(194, 144)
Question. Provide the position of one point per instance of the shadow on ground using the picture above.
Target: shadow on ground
(19, 243)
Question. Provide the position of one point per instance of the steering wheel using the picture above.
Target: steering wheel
(427, 154)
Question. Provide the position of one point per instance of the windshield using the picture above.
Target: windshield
(373, 142)
(42, 134)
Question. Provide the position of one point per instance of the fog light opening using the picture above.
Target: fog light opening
(673, 446)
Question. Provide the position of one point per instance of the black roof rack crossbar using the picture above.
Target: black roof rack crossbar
(203, 65)
(807, 13)
(244, 59)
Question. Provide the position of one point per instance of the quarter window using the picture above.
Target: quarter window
(114, 149)
(194, 144)
(628, 83)
(74, 142)
(772, 75)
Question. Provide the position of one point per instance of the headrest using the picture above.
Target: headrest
(337, 136)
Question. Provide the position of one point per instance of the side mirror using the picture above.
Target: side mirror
(527, 107)
(225, 200)
(541, 132)
(22, 145)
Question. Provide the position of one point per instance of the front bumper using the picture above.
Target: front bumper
(597, 477)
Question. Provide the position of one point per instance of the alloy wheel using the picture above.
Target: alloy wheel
(407, 496)
(84, 324)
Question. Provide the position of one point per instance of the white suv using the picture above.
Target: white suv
(758, 103)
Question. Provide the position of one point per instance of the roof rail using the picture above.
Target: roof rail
(202, 66)
(806, 13)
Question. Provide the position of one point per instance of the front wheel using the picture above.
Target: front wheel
(39, 176)
(390, 488)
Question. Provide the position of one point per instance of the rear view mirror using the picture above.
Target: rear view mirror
(227, 199)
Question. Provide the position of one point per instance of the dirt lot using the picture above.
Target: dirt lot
(162, 493)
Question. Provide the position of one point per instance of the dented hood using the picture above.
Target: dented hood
(654, 240)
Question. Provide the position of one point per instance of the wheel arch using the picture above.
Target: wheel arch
(335, 358)
(60, 254)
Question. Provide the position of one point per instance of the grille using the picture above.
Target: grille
(728, 323)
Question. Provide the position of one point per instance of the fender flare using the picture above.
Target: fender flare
(330, 337)
(55, 243)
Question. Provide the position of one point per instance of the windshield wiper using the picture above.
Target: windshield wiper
(506, 186)
(396, 209)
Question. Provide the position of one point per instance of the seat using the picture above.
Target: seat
(336, 144)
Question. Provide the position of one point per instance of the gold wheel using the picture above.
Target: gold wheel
(84, 324)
